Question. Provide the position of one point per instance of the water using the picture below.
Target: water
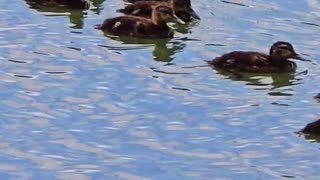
(79, 105)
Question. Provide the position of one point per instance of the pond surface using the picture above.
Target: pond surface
(79, 105)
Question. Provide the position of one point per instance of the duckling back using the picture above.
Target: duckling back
(237, 59)
(135, 27)
(253, 62)
(312, 128)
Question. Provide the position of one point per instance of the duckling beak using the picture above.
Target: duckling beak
(298, 57)
(175, 19)
(193, 13)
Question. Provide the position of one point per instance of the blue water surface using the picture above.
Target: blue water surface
(79, 105)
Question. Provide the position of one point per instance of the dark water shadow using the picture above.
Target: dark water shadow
(75, 11)
(164, 49)
(185, 28)
(279, 85)
(310, 137)
(234, 3)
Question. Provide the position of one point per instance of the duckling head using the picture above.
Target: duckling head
(284, 50)
(163, 14)
(183, 9)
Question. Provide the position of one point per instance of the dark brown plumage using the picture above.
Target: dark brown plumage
(143, 8)
(134, 26)
(255, 62)
(133, 1)
(312, 128)
(71, 4)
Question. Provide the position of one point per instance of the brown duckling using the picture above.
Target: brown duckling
(255, 62)
(141, 27)
(312, 128)
(181, 8)
(71, 4)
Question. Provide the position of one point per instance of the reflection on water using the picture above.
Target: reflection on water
(164, 53)
(185, 28)
(163, 49)
(97, 6)
(75, 11)
(278, 84)
(83, 106)
(311, 138)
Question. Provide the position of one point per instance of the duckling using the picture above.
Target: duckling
(73, 4)
(255, 62)
(141, 27)
(181, 8)
(312, 128)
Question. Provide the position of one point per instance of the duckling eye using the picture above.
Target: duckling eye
(164, 11)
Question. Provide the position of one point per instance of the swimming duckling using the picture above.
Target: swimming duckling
(255, 62)
(71, 4)
(181, 8)
(312, 128)
(134, 26)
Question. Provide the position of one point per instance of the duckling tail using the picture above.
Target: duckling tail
(209, 62)
(98, 26)
(120, 10)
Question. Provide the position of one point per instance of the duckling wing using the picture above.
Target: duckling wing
(134, 26)
(123, 25)
(240, 59)
(258, 59)
(256, 62)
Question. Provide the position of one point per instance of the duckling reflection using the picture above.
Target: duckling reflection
(278, 84)
(162, 53)
(164, 49)
(97, 6)
(312, 137)
(185, 28)
(60, 7)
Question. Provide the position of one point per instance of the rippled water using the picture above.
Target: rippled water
(79, 105)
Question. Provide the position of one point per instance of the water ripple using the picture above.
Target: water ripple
(76, 104)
